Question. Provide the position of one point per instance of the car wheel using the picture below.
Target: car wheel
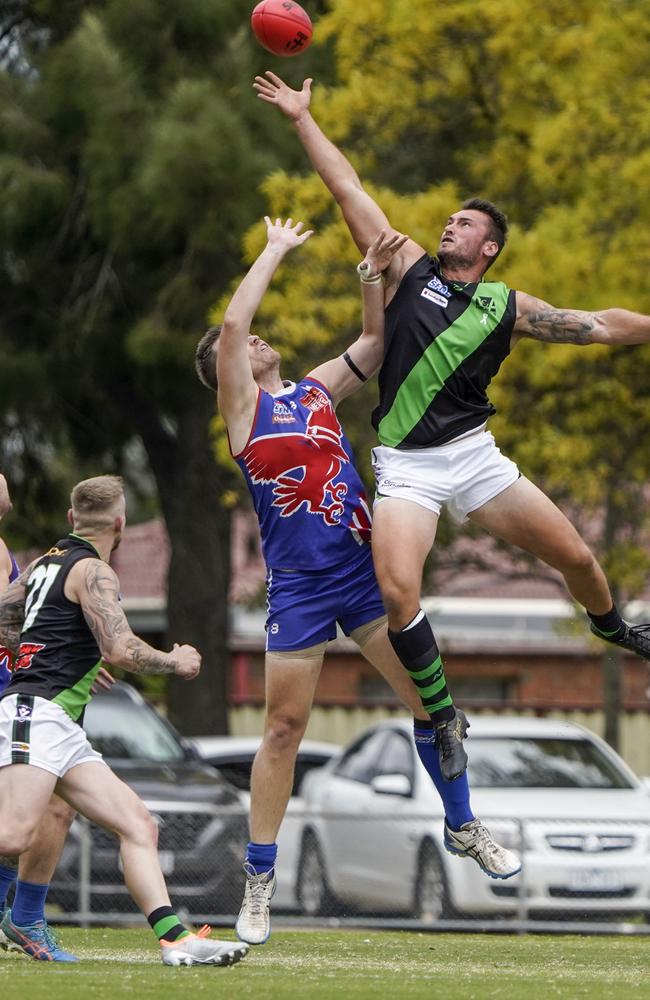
(430, 895)
(314, 896)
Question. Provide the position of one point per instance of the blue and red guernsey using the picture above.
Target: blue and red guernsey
(308, 496)
(5, 655)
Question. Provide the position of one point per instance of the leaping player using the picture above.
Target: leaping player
(315, 527)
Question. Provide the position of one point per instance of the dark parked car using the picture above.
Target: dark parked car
(202, 820)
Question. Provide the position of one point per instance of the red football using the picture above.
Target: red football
(282, 27)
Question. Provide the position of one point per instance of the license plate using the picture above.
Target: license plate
(595, 878)
(166, 861)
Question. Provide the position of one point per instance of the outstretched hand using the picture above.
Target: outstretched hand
(380, 253)
(273, 90)
(286, 236)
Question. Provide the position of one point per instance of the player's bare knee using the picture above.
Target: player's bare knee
(60, 812)
(578, 559)
(15, 840)
(283, 734)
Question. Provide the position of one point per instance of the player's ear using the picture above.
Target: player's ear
(70, 517)
(491, 248)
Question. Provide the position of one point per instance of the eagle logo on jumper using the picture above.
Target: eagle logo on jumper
(304, 465)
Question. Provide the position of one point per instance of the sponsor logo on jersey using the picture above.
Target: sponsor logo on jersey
(282, 414)
(439, 286)
(24, 711)
(55, 552)
(315, 399)
(436, 297)
(26, 653)
(487, 304)
(19, 747)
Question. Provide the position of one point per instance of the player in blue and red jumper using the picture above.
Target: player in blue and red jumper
(315, 525)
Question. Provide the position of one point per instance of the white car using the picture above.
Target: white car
(372, 839)
(233, 757)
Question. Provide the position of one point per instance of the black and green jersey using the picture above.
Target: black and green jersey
(445, 341)
(58, 658)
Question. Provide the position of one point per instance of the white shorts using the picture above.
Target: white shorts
(39, 732)
(461, 476)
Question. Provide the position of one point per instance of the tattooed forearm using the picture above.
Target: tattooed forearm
(144, 659)
(561, 326)
(12, 619)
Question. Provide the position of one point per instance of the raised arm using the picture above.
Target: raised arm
(94, 585)
(540, 321)
(363, 215)
(345, 374)
(237, 391)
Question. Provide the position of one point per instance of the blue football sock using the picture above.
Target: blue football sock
(7, 879)
(454, 794)
(29, 903)
(261, 856)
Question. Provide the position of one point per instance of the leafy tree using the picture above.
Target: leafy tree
(543, 110)
(131, 151)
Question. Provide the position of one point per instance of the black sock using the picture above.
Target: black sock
(611, 625)
(416, 647)
(166, 925)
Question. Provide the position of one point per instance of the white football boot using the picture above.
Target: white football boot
(254, 921)
(474, 840)
(199, 949)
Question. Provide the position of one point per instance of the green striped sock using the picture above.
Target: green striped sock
(166, 925)
(417, 649)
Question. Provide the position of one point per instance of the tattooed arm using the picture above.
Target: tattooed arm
(12, 610)
(94, 585)
(541, 321)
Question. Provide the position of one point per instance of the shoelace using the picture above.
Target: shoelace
(483, 841)
(49, 938)
(448, 741)
(257, 892)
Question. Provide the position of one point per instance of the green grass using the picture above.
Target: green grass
(352, 965)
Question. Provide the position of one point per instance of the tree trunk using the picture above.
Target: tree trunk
(191, 486)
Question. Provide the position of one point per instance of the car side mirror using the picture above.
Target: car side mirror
(392, 784)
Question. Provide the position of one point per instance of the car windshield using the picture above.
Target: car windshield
(121, 728)
(511, 762)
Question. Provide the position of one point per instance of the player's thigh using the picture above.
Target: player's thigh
(524, 516)
(291, 679)
(25, 791)
(98, 794)
(402, 536)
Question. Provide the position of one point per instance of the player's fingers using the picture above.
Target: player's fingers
(278, 222)
(298, 226)
(377, 242)
(305, 236)
(274, 79)
(306, 87)
(267, 220)
(288, 224)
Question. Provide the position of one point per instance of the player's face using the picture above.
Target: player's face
(465, 239)
(262, 357)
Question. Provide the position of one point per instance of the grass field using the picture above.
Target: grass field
(347, 965)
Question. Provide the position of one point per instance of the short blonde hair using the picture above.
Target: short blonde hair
(93, 500)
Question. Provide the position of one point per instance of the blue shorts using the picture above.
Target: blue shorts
(304, 607)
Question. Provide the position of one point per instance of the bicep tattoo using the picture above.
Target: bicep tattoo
(104, 616)
(109, 625)
(560, 326)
